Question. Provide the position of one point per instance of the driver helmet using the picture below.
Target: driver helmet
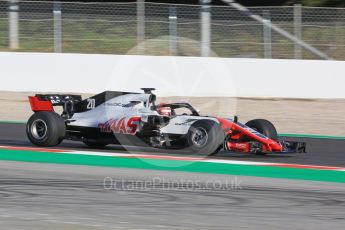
(164, 110)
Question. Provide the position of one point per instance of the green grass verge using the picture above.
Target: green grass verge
(312, 136)
(171, 165)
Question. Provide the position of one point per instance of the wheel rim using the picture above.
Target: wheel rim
(39, 129)
(199, 137)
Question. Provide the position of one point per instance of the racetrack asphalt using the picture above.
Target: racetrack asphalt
(328, 152)
(54, 196)
(47, 196)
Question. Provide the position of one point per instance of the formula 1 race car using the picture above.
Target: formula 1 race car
(135, 119)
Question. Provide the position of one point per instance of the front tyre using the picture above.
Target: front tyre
(205, 137)
(46, 129)
(264, 127)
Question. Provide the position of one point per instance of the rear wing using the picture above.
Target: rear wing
(58, 99)
(45, 102)
(73, 103)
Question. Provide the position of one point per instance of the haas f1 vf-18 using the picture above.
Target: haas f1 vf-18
(135, 119)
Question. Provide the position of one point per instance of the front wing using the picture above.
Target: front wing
(258, 143)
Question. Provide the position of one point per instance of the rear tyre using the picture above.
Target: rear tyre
(264, 127)
(95, 144)
(205, 137)
(46, 129)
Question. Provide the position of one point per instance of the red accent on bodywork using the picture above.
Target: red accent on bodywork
(132, 124)
(37, 105)
(234, 132)
(238, 146)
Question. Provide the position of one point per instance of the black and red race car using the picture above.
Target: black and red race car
(135, 119)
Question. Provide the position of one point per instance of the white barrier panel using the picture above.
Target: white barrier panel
(172, 76)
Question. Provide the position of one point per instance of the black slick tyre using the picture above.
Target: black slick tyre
(205, 137)
(264, 127)
(46, 129)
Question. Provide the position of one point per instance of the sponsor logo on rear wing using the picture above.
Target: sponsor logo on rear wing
(58, 99)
